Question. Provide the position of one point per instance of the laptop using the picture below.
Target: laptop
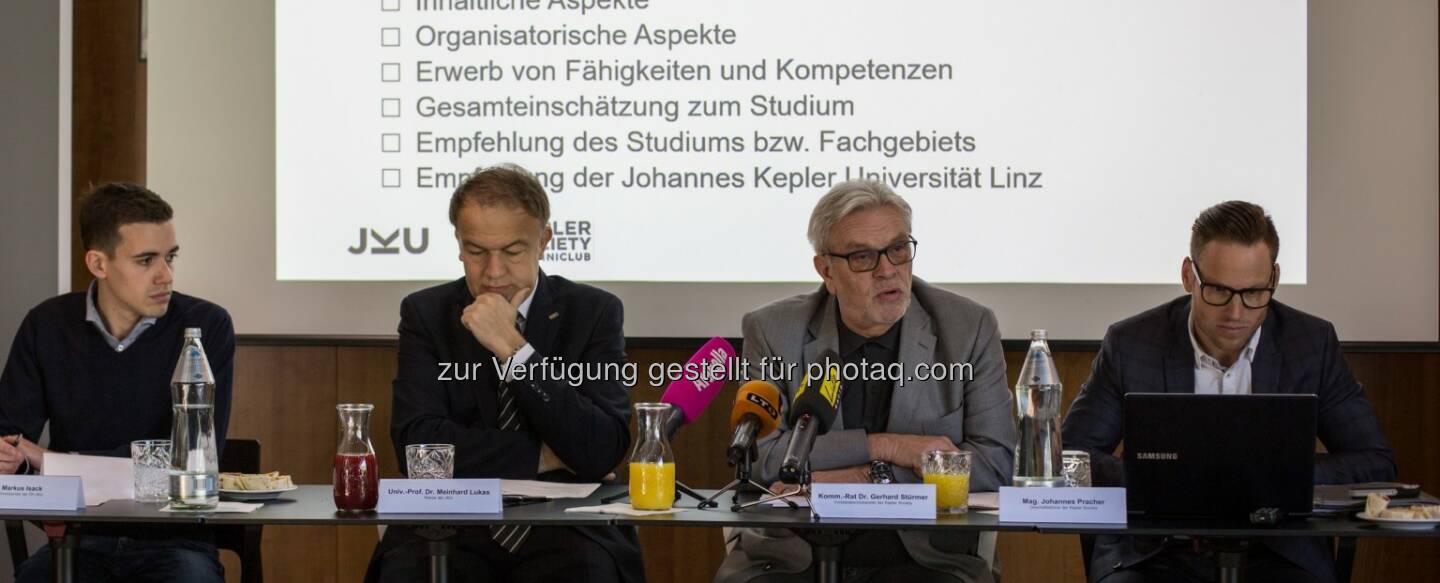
(1219, 456)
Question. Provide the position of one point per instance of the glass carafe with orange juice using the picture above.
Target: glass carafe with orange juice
(652, 463)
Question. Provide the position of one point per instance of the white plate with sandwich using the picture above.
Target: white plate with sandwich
(254, 487)
(1418, 517)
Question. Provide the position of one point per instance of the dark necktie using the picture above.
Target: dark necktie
(510, 535)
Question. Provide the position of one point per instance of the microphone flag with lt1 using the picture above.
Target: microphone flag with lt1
(755, 415)
(702, 378)
(812, 412)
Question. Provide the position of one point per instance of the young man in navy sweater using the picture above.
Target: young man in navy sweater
(96, 366)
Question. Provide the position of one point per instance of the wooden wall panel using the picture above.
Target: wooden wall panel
(108, 101)
(364, 375)
(353, 547)
(1033, 557)
(1405, 390)
(705, 439)
(1040, 558)
(677, 554)
(285, 398)
(303, 554)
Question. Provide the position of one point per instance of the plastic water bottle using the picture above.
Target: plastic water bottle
(194, 464)
(1037, 410)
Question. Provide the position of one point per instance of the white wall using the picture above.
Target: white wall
(1374, 225)
(33, 163)
(35, 166)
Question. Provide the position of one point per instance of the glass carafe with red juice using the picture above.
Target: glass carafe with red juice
(357, 475)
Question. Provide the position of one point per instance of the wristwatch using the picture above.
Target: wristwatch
(881, 473)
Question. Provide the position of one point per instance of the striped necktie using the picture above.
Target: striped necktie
(510, 535)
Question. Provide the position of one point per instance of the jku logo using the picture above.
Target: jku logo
(384, 245)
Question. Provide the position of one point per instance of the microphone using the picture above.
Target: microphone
(755, 415)
(704, 376)
(812, 412)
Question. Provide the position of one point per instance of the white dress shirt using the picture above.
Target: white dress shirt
(1213, 379)
(92, 315)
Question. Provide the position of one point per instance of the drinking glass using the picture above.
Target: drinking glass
(430, 461)
(151, 458)
(950, 472)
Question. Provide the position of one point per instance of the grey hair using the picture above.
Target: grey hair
(847, 198)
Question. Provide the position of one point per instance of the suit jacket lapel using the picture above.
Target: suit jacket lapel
(542, 321)
(917, 345)
(1180, 358)
(824, 335)
(1265, 368)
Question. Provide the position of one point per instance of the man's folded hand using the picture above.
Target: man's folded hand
(905, 450)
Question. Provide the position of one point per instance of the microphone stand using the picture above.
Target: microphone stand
(803, 490)
(743, 477)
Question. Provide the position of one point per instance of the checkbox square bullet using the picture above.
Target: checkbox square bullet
(390, 5)
(389, 142)
(389, 37)
(390, 107)
(390, 178)
(390, 72)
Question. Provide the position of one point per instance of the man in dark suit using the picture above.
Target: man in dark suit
(447, 390)
(1228, 336)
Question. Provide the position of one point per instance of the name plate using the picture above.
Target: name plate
(474, 496)
(1078, 505)
(41, 493)
(904, 501)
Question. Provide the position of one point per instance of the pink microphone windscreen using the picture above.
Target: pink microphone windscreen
(701, 379)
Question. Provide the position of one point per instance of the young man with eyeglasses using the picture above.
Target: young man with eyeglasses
(1228, 336)
(871, 309)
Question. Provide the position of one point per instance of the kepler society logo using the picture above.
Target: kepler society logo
(570, 241)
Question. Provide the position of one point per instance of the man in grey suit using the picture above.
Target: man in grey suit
(1228, 336)
(871, 308)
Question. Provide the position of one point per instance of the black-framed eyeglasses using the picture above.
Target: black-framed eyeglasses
(1219, 296)
(868, 259)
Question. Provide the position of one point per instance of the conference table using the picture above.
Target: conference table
(313, 505)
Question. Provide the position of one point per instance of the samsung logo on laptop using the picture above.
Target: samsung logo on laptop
(1153, 455)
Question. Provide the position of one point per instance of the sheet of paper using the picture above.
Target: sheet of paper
(620, 508)
(538, 489)
(104, 478)
(984, 500)
(223, 507)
